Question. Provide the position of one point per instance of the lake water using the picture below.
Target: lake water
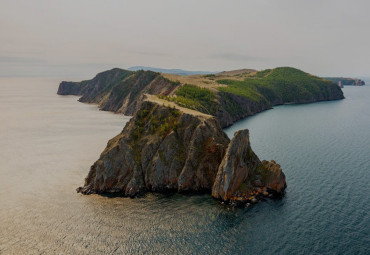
(48, 142)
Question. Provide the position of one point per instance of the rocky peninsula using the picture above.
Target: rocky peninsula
(228, 96)
(175, 141)
(346, 81)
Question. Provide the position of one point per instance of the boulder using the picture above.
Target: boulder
(274, 178)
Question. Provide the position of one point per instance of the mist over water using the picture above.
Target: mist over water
(48, 142)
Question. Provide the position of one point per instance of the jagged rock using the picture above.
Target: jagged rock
(239, 169)
(239, 162)
(118, 90)
(164, 149)
(160, 149)
(274, 178)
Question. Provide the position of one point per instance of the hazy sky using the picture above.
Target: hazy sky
(82, 37)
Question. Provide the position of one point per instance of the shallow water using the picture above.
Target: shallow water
(48, 143)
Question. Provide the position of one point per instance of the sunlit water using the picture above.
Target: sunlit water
(48, 142)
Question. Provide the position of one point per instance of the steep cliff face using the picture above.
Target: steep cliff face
(159, 149)
(92, 91)
(126, 97)
(233, 108)
(118, 90)
(237, 166)
(241, 175)
(164, 149)
(70, 88)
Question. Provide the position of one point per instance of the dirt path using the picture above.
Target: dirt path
(155, 99)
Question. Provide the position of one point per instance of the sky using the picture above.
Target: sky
(80, 38)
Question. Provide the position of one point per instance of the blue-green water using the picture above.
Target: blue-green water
(48, 143)
(324, 150)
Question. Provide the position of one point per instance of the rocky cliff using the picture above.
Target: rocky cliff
(118, 90)
(160, 149)
(241, 176)
(228, 96)
(165, 149)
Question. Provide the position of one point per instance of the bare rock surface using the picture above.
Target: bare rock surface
(164, 149)
(274, 178)
(243, 177)
(237, 165)
(160, 149)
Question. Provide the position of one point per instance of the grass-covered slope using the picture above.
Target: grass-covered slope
(229, 96)
(284, 84)
(196, 98)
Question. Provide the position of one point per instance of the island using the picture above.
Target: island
(175, 143)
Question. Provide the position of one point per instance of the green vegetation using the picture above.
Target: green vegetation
(106, 78)
(285, 83)
(241, 88)
(196, 98)
(133, 84)
(264, 88)
(230, 105)
(149, 122)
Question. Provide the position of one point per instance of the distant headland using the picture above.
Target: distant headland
(341, 81)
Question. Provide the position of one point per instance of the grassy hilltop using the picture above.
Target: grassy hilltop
(231, 91)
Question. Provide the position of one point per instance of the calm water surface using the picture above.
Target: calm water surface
(48, 142)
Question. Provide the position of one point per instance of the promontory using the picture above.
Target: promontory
(175, 141)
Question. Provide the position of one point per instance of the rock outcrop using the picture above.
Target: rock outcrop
(118, 90)
(272, 176)
(92, 91)
(164, 149)
(241, 175)
(160, 149)
(237, 166)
